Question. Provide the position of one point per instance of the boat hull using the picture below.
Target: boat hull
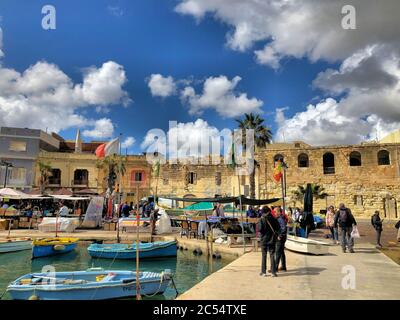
(121, 251)
(15, 245)
(150, 283)
(304, 245)
(53, 246)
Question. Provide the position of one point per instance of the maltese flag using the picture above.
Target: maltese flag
(107, 149)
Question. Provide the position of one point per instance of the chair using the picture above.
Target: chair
(185, 230)
(194, 229)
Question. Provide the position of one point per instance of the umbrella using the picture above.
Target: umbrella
(86, 192)
(62, 192)
(14, 194)
(308, 199)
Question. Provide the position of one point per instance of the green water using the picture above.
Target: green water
(188, 269)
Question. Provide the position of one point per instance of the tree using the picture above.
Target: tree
(262, 137)
(45, 174)
(317, 191)
(113, 165)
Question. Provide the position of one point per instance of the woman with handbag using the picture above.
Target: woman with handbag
(330, 224)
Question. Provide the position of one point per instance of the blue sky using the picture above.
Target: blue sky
(151, 37)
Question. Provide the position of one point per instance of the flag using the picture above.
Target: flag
(277, 175)
(108, 148)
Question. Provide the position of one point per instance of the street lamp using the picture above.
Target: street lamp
(7, 165)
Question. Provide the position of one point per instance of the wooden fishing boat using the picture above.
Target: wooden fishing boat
(92, 284)
(304, 245)
(13, 245)
(51, 246)
(128, 251)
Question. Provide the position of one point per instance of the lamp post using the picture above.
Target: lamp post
(7, 165)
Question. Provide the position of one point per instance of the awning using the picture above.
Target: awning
(61, 197)
(200, 206)
(246, 201)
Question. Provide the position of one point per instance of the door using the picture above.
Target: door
(390, 208)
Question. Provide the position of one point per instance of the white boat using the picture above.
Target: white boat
(303, 245)
(13, 245)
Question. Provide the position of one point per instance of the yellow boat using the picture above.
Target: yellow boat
(44, 247)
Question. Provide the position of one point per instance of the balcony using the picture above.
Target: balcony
(80, 183)
(329, 170)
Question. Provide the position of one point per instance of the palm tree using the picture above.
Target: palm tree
(45, 174)
(262, 137)
(113, 165)
(317, 191)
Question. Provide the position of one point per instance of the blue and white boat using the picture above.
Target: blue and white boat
(52, 246)
(128, 251)
(92, 284)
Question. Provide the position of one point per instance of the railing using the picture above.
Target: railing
(80, 182)
(329, 170)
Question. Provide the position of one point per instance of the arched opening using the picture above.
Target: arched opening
(329, 163)
(81, 177)
(355, 159)
(278, 157)
(55, 177)
(383, 158)
(302, 160)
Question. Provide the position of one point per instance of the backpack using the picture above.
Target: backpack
(343, 215)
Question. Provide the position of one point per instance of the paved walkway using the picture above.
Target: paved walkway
(308, 277)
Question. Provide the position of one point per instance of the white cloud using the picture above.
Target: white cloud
(188, 138)
(103, 128)
(219, 94)
(161, 86)
(1, 42)
(44, 97)
(128, 142)
(300, 28)
(115, 11)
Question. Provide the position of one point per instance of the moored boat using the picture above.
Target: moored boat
(13, 245)
(92, 284)
(52, 246)
(304, 245)
(128, 251)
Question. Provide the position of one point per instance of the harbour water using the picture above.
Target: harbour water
(188, 269)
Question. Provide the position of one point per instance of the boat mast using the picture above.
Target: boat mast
(137, 242)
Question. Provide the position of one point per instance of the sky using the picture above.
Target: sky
(114, 67)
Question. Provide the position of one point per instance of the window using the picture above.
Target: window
(165, 179)
(383, 158)
(358, 200)
(19, 146)
(192, 178)
(355, 159)
(218, 178)
(303, 160)
(81, 177)
(329, 163)
(242, 180)
(55, 177)
(18, 174)
(138, 176)
(278, 157)
(297, 145)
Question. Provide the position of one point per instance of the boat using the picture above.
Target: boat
(304, 245)
(128, 251)
(52, 246)
(13, 245)
(92, 284)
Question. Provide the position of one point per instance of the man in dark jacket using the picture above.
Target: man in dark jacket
(346, 220)
(269, 230)
(280, 243)
(377, 224)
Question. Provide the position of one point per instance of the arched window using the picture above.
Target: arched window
(383, 158)
(278, 157)
(81, 177)
(355, 159)
(329, 163)
(302, 160)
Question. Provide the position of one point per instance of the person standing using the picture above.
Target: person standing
(346, 220)
(280, 243)
(269, 229)
(377, 224)
(153, 220)
(330, 224)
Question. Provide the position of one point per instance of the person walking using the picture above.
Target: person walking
(377, 224)
(280, 243)
(346, 220)
(330, 224)
(269, 229)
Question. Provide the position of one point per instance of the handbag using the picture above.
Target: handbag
(355, 233)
